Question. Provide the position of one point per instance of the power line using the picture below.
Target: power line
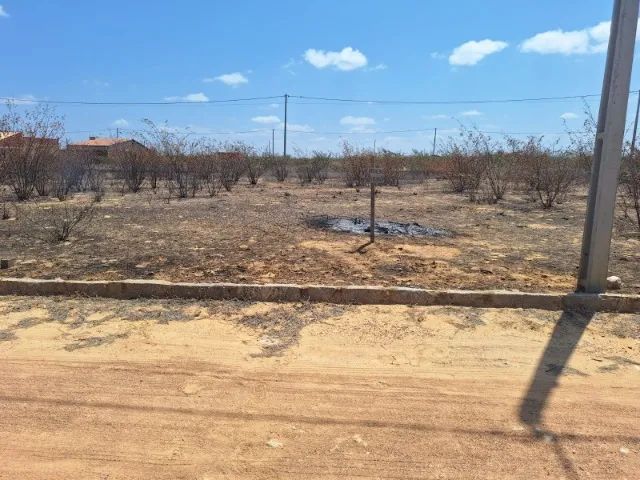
(314, 132)
(416, 130)
(446, 102)
(314, 100)
(166, 102)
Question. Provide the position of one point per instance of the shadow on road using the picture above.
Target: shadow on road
(553, 363)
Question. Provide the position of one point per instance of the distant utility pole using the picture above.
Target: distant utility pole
(286, 104)
(635, 125)
(607, 153)
(435, 136)
(273, 142)
(117, 133)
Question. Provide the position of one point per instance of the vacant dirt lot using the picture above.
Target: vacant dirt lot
(260, 234)
(111, 389)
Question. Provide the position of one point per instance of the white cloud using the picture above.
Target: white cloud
(346, 59)
(274, 105)
(294, 127)
(22, 100)
(438, 116)
(357, 121)
(471, 113)
(568, 116)
(120, 123)
(437, 55)
(97, 83)
(3, 12)
(232, 79)
(192, 97)
(572, 42)
(380, 66)
(290, 64)
(266, 119)
(472, 52)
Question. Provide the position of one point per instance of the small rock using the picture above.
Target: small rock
(624, 450)
(358, 439)
(244, 247)
(273, 443)
(614, 283)
(7, 263)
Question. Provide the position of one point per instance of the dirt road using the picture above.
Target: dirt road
(105, 389)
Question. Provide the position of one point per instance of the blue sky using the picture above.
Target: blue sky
(401, 50)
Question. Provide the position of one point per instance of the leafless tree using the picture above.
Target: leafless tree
(26, 162)
(132, 166)
(581, 142)
(177, 151)
(69, 172)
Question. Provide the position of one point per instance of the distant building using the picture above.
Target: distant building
(103, 148)
(17, 139)
(10, 139)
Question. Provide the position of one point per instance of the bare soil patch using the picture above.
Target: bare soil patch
(261, 234)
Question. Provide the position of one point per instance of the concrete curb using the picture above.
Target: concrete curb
(128, 289)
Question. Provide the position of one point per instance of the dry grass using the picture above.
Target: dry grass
(260, 234)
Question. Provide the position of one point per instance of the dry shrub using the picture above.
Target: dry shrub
(280, 168)
(581, 143)
(209, 170)
(356, 164)
(132, 166)
(314, 169)
(255, 164)
(549, 175)
(629, 188)
(499, 174)
(466, 163)
(392, 166)
(57, 223)
(230, 165)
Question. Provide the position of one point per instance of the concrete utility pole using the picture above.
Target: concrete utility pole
(596, 240)
(435, 136)
(286, 103)
(635, 125)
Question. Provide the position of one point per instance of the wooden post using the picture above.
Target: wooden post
(372, 221)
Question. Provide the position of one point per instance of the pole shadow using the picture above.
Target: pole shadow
(362, 248)
(552, 364)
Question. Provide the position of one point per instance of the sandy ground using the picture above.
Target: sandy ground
(106, 389)
(261, 235)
